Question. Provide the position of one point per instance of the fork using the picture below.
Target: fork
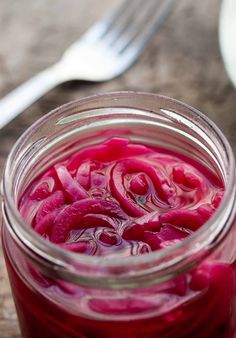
(105, 51)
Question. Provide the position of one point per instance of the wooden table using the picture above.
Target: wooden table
(183, 61)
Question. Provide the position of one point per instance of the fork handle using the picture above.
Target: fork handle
(26, 94)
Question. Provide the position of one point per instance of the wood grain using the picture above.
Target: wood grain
(183, 61)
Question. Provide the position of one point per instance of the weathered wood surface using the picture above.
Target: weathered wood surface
(183, 61)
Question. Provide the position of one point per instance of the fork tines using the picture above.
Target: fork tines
(134, 22)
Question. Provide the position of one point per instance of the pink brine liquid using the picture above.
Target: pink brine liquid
(119, 199)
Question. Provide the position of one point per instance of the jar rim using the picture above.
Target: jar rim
(60, 257)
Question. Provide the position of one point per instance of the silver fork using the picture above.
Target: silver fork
(105, 51)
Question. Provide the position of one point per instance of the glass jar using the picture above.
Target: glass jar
(187, 290)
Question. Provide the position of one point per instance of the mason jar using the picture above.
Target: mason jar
(186, 290)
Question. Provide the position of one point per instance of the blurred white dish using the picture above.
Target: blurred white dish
(227, 36)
